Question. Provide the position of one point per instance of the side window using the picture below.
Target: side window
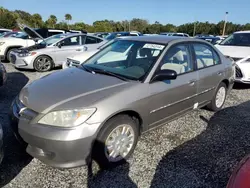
(205, 56)
(177, 58)
(98, 40)
(71, 41)
(90, 40)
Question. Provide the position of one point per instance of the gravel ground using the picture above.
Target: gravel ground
(198, 150)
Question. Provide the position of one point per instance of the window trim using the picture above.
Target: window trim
(211, 49)
(187, 44)
(91, 37)
(69, 45)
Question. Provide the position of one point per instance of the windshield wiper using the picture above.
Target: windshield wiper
(99, 71)
(87, 68)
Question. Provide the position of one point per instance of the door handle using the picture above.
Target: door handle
(219, 73)
(192, 82)
(79, 49)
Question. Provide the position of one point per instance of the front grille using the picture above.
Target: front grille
(12, 58)
(21, 110)
(238, 72)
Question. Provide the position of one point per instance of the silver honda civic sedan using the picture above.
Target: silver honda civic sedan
(98, 110)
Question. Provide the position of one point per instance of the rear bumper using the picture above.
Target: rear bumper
(243, 73)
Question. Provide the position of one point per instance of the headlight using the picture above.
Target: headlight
(246, 61)
(67, 118)
(2, 43)
(26, 54)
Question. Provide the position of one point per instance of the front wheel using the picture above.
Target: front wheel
(116, 141)
(219, 98)
(43, 64)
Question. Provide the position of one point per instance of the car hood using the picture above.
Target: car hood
(31, 48)
(52, 91)
(32, 33)
(234, 51)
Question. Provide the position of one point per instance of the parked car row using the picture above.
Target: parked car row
(53, 51)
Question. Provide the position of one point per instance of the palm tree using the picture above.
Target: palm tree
(37, 20)
(68, 17)
(52, 20)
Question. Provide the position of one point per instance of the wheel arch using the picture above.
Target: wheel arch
(11, 47)
(226, 81)
(132, 113)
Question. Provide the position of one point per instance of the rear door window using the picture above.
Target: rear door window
(90, 40)
(205, 56)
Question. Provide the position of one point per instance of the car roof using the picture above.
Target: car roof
(248, 31)
(161, 39)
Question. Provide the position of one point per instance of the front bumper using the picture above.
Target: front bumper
(1, 144)
(21, 62)
(242, 73)
(57, 147)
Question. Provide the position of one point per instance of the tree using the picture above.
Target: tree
(52, 21)
(7, 20)
(68, 18)
(138, 24)
(37, 20)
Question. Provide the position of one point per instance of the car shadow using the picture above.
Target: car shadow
(208, 159)
(116, 176)
(241, 86)
(15, 157)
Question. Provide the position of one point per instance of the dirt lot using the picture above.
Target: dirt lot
(198, 150)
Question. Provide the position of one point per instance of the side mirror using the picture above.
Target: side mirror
(85, 48)
(165, 74)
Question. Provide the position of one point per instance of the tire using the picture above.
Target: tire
(43, 63)
(8, 54)
(216, 106)
(100, 152)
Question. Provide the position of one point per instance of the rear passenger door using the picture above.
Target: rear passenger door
(210, 71)
(92, 42)
(171, 98)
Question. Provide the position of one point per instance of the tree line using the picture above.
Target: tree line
(8, 19)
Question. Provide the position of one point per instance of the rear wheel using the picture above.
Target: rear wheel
(43, 63)
(219, 98)
(116, 141)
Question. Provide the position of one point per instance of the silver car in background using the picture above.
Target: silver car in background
(100, 109)
(53, 51)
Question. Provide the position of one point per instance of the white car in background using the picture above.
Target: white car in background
(237, 46)
(53, 51)
(24, 39)
(76, 60)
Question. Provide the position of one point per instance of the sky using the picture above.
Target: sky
(165, 11)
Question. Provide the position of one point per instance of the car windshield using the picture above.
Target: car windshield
(22, 35)
(128, 59)
(51, 40)
(114, 35)
(237, 39)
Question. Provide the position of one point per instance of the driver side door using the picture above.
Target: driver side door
(172, 98)
(68, 47)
